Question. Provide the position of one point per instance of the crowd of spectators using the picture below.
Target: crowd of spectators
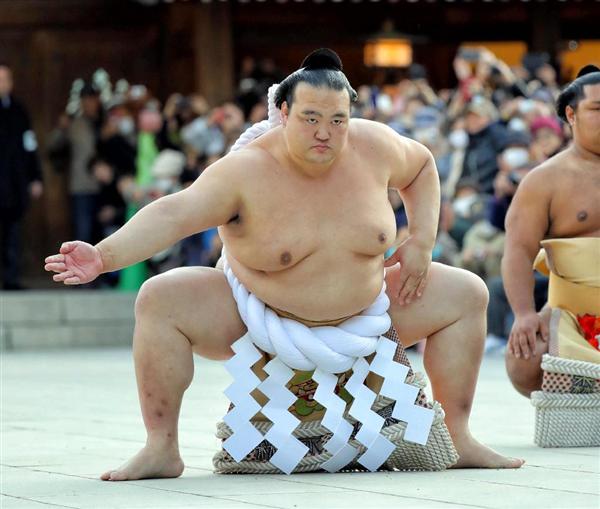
(122, 148)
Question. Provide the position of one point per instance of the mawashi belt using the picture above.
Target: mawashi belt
(327, 350)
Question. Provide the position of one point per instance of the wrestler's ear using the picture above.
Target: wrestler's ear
(285, 111)
(570, 115)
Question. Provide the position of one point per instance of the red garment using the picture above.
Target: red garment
(590, 325)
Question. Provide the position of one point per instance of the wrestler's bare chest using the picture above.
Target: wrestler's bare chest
(575, 206)
(309, 245)
(286, 219)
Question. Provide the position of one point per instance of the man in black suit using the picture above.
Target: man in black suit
(20, 175)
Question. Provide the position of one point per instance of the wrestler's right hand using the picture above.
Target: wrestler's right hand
(77, 263)
(526, 328)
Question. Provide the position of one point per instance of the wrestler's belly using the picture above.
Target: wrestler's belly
(325, 286)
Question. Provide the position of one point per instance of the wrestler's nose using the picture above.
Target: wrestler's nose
(322, 134)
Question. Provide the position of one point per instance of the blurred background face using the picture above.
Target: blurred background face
(316, 126)
(474, 122)
(364, 95)
(258, 112)
(232, 118)
(6, 82)
(548, 140)
(546, 74)
(458, 138)
(90, 105)
(430, 137)
(103, 172)
(149, 121)
(413, 104)
(513, 158)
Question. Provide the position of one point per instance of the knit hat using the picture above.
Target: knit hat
(548, 123)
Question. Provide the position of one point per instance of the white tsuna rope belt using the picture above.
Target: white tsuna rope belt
(327, 350)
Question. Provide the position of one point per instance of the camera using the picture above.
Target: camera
(469, 54)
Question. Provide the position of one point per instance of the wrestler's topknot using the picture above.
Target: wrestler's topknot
(587, 70)
(322, 68)
(574, 91)
(323, 58)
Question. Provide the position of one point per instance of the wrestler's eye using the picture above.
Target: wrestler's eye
(338, 121)
(311, 120)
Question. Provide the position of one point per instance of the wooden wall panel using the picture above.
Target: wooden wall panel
(213, 43)
(47, 50)
(62, 56)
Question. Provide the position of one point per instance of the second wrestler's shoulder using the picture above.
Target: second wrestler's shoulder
(550, 171)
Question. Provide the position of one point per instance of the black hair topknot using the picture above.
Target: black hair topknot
(574, 91)
(323, 58)
(587, 70)
(322, 68)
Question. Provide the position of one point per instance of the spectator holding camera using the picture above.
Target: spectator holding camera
(487, 139)
(78, 137)
(514, 162)
(116, 145)
(483, 244)
(450, 166)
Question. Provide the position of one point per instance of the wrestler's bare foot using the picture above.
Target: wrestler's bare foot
(475, 455)
(150, 463)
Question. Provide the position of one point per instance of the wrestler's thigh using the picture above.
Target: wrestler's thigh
(449, 294)
(199, 303)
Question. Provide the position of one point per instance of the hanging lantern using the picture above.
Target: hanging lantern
(388, 49)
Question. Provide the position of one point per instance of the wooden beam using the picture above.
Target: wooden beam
(76, 13)
(213, 52)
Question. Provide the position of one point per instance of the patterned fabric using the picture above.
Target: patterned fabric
(562, 383)
(305, 387)
(264, 451)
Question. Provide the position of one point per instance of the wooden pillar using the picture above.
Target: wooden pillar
(213, 51)
(545, 28)
(47, 222)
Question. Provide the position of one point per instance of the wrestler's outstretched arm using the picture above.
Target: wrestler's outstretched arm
(212, 200)
(527, 223)
(415, 177)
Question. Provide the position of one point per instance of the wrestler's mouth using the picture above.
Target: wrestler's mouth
(321, 148)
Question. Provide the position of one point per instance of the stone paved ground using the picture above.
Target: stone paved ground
(68, 415)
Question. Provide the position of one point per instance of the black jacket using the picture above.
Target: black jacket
(480, 162)
(19, 162)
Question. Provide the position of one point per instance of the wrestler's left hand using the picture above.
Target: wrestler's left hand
(414, 260)
(77, 263)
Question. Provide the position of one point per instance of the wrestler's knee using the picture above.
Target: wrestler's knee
(525, 375)
(152, 294)
(474, 293)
